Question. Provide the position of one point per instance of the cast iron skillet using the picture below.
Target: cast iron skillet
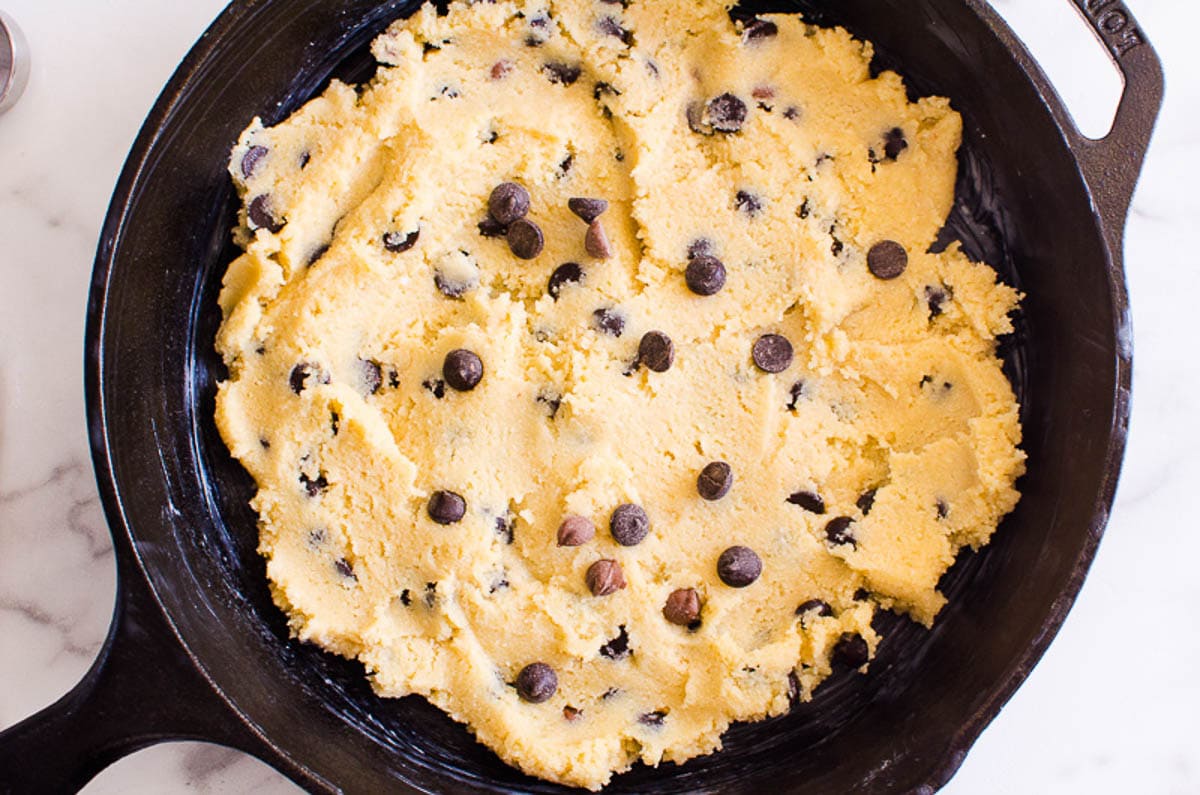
(198, 651)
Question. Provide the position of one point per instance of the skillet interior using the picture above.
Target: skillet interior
(1022, 207)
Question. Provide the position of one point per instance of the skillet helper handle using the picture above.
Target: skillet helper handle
(141, 690)
(1111, 165)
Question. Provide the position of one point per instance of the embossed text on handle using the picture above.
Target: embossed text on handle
(1114, 23)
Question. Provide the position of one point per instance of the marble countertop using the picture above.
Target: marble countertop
(1111, 708)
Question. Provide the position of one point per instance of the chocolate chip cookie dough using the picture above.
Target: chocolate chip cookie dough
(597, 376)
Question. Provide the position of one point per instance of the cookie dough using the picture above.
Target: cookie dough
(596, 374)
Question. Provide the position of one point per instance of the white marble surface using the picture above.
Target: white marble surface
(1111, 708)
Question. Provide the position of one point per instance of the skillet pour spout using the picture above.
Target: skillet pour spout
(198, 650)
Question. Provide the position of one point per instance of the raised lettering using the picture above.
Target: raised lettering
(1113, 21)
(1128, 40)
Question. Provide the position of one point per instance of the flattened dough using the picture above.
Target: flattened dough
(894, 411)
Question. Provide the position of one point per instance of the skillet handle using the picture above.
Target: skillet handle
(1111, 165)
(142, 689)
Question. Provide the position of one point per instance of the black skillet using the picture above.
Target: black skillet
(198, 651)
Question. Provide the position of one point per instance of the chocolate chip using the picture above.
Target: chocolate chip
(894, 143)
(705, 275)
(602, 89)
(803, 211)
(302, 372)
(656, 351)
(887, 260)
(372, 375)
(451, 287)
(565, 165)
(629, 525)
(406, 597)
(808, 501)
(866, 501)
(616, 648)
(609, 321)
(261, 215)
(588, 209)
(435, 385)
(748, 203)
(605, 577)
(701, 247)
(739, 566)
(655, 719)
(317, 254)
(561, 73)
(793, 688)
(314, 486)
(251, 159)
(851, 651)
(715, 480)
(612, 692)
(490, 227)
(501, 69)
(399, 242)
(430, 594)
(305, 158)
(446, 507)
(840, 531)
(345, 569)
(936, 298)
(609, 26)
(506, 527)
(726, 113)
(814, 606)
(682, 607)
(525, 238)
(567, 273)
(552, 400)
(758, 29)
(463, 370)
(335, 422)
(595, 242)
(537, 682)
(772, 353)
(575, 531)
(943, 509)
(508, 202)
(791, 113)
(571, 714)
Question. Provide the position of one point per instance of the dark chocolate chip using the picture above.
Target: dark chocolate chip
(372, 375)
(616, 648)
(804, 210)
(446, 507)
(463, 370)
(682, 607)
(537, 682)
(430, 594)
(498, 585)
(490, 227)
(851, 651)
(508, 202)
(701, 247)
(748, 203)
(552, 400)
(840, 531)
(609, 321)
(862, 595)
(629, 525)
(575, 531)
(609, 26)
(943, 509)
(605, 577)
(406, 597)
(715, 480)
(726, 113)
(251, 159)
(435, 385)
(936, 298)
(894, 143)
(335, 422)
(301, 373)
(305, 158)
(887, 260)
(345, 569)
(525, 238)
(567, 273)
(791, 113)
(814, 607)
(266, 445)
(772, 353)
(612, 692)
(656, 351)
(314, 486)
(656, 718)
(595, 242)
(588, 209)
(705, 275)
(561, 73)
(451, 288)
(399, 242)
(808, 501)
(506, 526)
(758, 29)
(866, 501)
(739, 566)
(261, 215)
(564, 167)
(571, 714)
(793, 688)
(317, 254)
(602, 89)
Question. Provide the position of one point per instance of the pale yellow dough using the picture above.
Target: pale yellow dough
(893, 399)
